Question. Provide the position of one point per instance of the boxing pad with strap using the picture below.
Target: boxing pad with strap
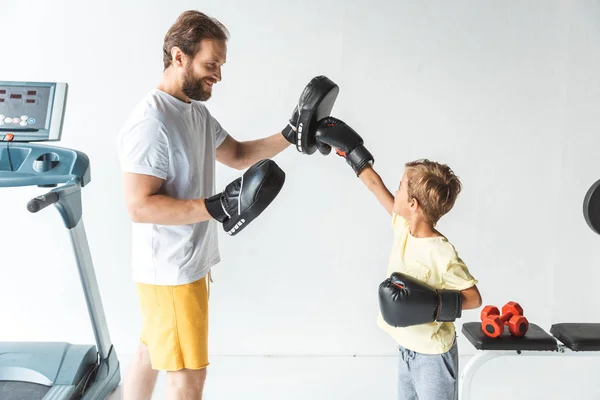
(315, 103)
(591, 207)
(247, 197)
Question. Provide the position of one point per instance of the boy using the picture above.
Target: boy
(420, 256)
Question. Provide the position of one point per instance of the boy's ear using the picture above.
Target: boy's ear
(414, 204)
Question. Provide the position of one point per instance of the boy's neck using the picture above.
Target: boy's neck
(420, 228)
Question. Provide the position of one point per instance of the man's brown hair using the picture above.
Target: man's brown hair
(187, 32)
(434, 186)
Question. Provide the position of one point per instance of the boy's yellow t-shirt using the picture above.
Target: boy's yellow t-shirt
(434, 261)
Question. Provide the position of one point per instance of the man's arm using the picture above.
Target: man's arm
(374, 183)
(317, 98)
(471, 298)
(241, 155)
(145, 204)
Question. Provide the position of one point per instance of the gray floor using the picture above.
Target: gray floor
(354, 378)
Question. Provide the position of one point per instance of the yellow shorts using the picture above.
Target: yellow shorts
(175, 324)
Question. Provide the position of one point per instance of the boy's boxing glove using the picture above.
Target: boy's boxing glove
(406, 301)
(332, 132)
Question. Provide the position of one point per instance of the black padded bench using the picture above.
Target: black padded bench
(563, 339)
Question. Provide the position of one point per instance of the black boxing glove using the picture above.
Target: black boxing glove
(247, 197)
(315, 103)
(333, 132)
(406, 301)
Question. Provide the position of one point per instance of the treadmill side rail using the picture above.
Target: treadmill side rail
(90, 288)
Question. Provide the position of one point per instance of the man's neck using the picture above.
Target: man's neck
(172, 85)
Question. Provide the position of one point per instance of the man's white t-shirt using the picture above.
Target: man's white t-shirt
(175, 141)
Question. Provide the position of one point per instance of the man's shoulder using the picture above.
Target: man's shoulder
(206, 121)
(200, 105)
(144, 123)
(201, 110)
(148, 110)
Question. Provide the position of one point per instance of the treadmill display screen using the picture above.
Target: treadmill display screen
(25, 107)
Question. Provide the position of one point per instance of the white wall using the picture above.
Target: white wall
(506, 93)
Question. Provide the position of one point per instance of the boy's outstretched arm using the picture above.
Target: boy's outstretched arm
(471, 298)
(333, 133)
(374, 183)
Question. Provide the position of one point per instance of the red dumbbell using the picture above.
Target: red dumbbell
(492, 323)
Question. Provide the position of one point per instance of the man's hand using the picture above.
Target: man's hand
(316, 102)
(247, 197)
(242, 200)
(290, 132)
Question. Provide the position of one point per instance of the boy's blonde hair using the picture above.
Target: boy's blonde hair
(434, 186)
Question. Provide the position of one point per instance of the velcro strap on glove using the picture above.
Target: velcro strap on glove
(359, 158)
(286, 132)
(450, 306)
(215, 207)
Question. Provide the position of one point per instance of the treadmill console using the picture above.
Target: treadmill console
(31, 111)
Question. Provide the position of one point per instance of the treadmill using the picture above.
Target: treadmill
(33, 112)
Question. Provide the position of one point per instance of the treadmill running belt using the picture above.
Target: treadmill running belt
(10, 390)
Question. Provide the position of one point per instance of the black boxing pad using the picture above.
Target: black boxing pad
(244, 199)
(591, 207)
(316, 102)
(258, 188)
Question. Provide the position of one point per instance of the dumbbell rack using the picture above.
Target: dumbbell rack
(564, 339)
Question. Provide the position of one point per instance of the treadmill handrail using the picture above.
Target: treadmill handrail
(67, 199)
(40, 202)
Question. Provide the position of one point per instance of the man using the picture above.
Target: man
(167, 150)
